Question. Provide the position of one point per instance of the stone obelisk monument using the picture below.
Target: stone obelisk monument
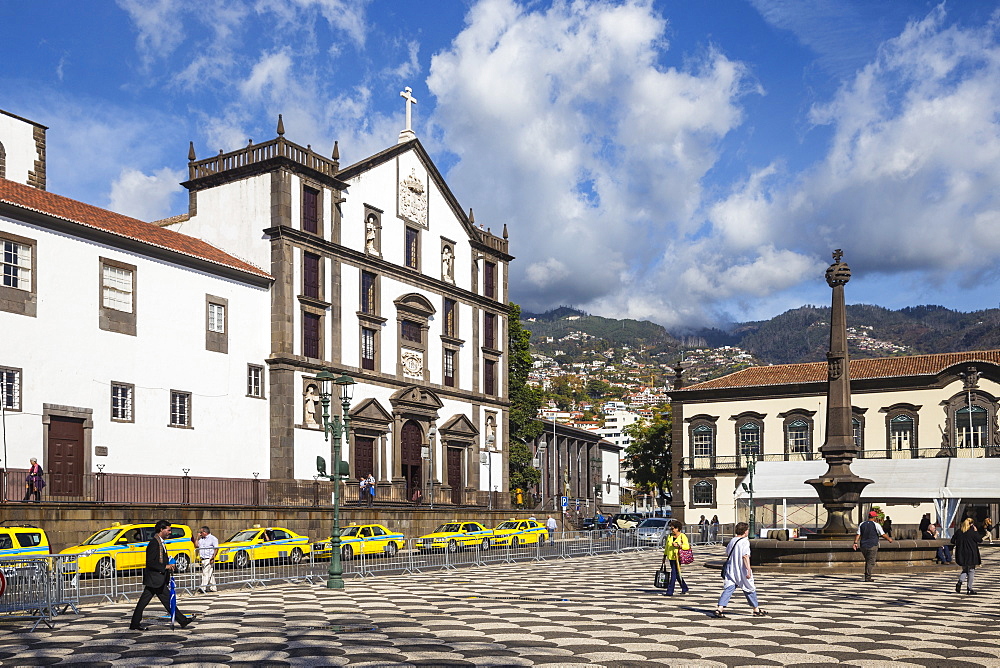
(839, 489)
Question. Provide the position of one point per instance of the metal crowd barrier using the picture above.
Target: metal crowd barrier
(30, 588)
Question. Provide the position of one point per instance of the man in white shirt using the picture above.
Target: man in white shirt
(551, 525)
(208, 547)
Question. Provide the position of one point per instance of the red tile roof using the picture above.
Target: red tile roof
(50, 204)
(815, 372)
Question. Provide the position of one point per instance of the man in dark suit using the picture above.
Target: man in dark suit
(156, 578)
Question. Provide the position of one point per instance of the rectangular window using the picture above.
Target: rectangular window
(216, 318)
(798, 437)
(17, 265)
(410, 331)
(368, 348)
(180, 409)
(368, 293)
(121, 402)
(489, 377)
(490, 279)
(310, 210)
(450, 326)
(412, 249)
(310, 335)
(702, 442)
(310, 275)
(449, 368)
(255, 381)
(490, 330)
(116, 285)
(10, 387)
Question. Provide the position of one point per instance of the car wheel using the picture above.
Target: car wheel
(391, 549)
(105, 568)
(486, 544)
(346, 553)
(514, 542)
(183, 562)
(452, 546)
(242, 559)
(296, 556)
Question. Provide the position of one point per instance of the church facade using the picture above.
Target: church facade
(372, 270)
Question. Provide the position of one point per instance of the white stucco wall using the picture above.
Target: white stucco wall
(17, 137)
(68, 360)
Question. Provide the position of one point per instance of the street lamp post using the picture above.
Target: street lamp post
(340, 428)
(748, 488)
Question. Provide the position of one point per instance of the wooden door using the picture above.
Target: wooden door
(64, 467)
(455, 474)
(411, 438)
(364, 456)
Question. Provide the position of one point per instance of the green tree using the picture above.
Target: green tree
(525, 401)
(648, 458)
(598, 389)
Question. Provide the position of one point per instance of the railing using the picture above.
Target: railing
(117, 488)
(254, 153)
(729, 463)
(493, 242)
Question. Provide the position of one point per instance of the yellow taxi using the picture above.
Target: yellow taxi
(456, 535)
(123, 547)
(262, 544)
(22, 541)
(362, 539)
(519, 532)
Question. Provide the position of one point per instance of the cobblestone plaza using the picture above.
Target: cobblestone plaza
(585, 611)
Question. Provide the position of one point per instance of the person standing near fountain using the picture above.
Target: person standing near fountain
(868, 536)
(966, 542)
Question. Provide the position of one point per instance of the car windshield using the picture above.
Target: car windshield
(347, 532)
(448, 528)
(101, 537)
(507, 525)
(241, 536)
(652, 523)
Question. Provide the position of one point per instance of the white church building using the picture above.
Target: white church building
(189, 346)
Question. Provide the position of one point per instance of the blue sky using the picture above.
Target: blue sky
(687, 162)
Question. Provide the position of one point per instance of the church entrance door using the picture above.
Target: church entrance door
(455, 474)
(64, 467)
(411, 438)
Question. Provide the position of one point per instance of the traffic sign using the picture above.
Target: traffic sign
(564, 501)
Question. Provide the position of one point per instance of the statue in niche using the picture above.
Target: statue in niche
(448, 264)
(309, 402)
(491, 430)
(371, 234)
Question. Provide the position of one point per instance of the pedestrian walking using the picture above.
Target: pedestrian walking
(370, 486)
(208, 547)
(966, 541)
(551, 526)
(737, 573)
(34, 483)
(868, 536)
(676, 541)
(987, 530)
(156, 579)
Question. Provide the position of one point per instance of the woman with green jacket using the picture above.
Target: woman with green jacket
(672, 546)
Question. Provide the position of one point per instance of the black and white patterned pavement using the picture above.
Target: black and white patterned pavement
(584, 611)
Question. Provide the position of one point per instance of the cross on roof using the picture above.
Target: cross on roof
(406, 93)
(837, 254)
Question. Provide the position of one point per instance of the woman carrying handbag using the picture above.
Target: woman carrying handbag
(676, 550)
(34, 483)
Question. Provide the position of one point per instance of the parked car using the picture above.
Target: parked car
(262, 544)
(519, 532)
(652, 531)
(362, 539)
(455, 535)
(624, 521)
(123, 547)
(22, 541)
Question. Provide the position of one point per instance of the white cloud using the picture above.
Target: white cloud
(145, 196)
(568, 129)
(158, 24)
